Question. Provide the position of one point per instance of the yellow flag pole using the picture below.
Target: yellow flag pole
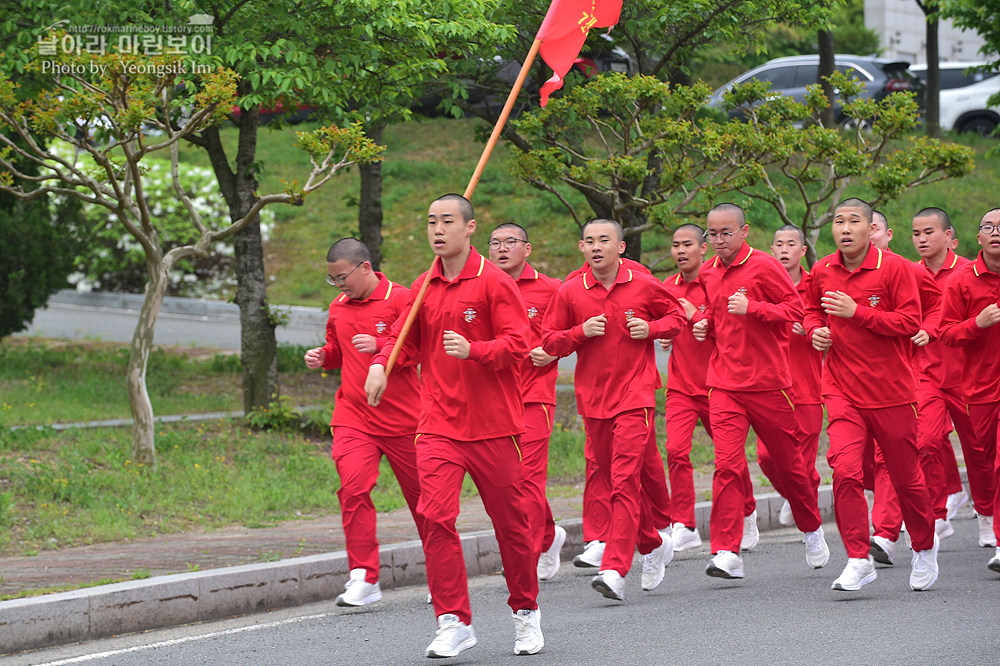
(469, 189)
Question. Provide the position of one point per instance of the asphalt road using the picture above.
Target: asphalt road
(186, 322)
(782, 613)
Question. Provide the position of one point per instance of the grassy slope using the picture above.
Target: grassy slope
(429, 157)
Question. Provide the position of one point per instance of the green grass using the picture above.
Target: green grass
(43, 382)
(81, 486)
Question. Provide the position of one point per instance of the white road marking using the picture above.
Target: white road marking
(188, 639)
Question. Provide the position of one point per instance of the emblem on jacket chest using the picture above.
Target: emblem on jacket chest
(532, 312)
(470, 314)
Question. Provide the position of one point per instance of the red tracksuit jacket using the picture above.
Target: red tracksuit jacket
(688, 362)
(478, 397)
(397, 415)
(614, 373)
(869, 363)
(805, 361)
(937, 362)
(751, 350)
(537, 290)
(972, 288)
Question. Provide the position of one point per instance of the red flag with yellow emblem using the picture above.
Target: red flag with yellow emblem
(565, 29)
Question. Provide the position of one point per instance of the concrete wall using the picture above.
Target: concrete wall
(902, 27)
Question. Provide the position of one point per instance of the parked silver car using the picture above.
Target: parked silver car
(791, 75)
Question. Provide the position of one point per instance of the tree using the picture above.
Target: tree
(932, 103)
(642, 152)
(104, 105)
(36, 256)
(663, 39)
(349, 59)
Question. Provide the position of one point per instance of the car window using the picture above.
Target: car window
(852, 72)
(779, 77)
(805, 75)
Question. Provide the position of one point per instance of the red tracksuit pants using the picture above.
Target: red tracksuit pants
(681, 414)
(985, 421)
(772, 417)
(938, 410)
(620, 446)
(895, 431)
(357, 455)
(597, 492)
(810, 420)
(495, 468)
(535, 472)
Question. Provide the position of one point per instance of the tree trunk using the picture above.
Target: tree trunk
(632, 226)
(143, 430)
(812, 237)
(258, 345)
(827, 62)
(370, 204)
(932, 101)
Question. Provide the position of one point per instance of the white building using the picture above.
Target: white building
(902, 27)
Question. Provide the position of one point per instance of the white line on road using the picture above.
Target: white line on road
(187, 639)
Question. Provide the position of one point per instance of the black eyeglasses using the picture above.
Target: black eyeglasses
(341, 280)
(507, 242)
(988, 229)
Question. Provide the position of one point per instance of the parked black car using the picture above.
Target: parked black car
(490, 92)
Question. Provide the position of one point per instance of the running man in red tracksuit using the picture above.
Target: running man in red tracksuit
(609, 315)
(969, 320)
(597, 492)
(470, 337)
(862, 309)
(752, 304)
(942, 403)
(887, 518)
(788, 246)
(510, 249)
(359, 318)
(686, 398)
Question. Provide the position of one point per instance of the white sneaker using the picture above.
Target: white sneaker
(357, 592)
(785, 516)
(882, 550)
(817, 552)
(591, 556)
(548, 562)
(725, 565)
(987, 538)
(994, 563)
(943, 528)
(610, 583)
(452, 637)
(751, 536)
(684, 538)
(528, 631)
(654, 562)
(955, 502)
(859, 572)
(924, 567)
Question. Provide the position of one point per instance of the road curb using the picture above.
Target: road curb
(184, 598)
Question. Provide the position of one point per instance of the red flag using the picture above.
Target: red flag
(565, 29)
